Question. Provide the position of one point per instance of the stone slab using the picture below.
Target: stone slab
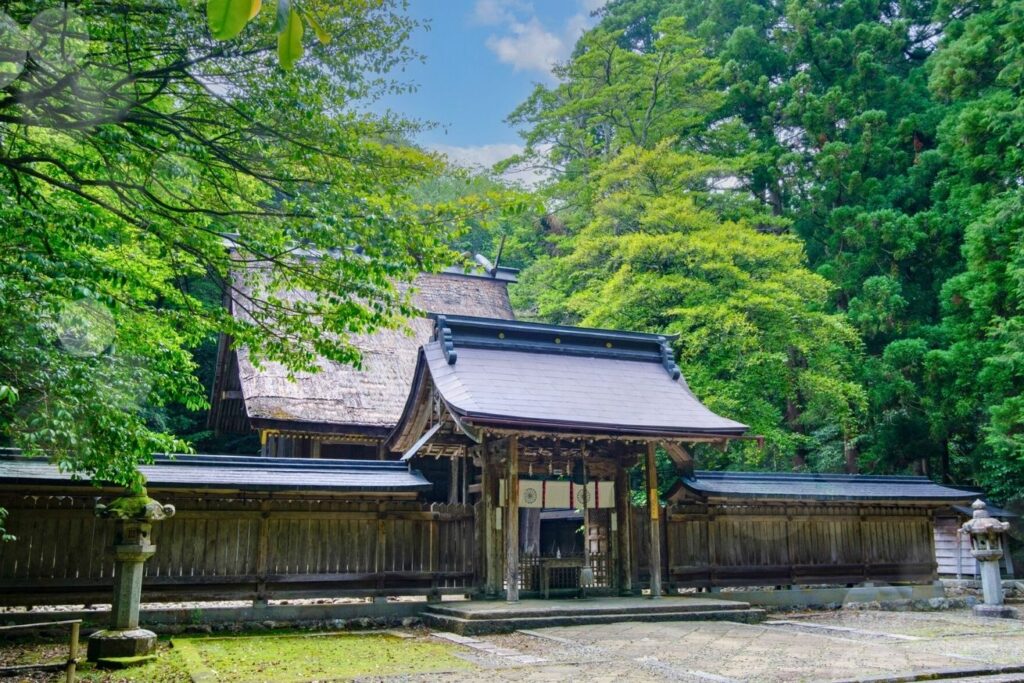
(484, 609)
(995, 611)
(282, 614)
(124, 662)
(819, 597)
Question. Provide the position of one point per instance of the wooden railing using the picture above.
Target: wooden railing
(242, 549)
(69, 665)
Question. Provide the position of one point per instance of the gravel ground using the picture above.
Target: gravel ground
(805, 646)
(822, 646)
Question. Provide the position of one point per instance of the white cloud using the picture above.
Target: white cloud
(495, 12)
(523, 41)
(576, 26)
(529, 47)
(483, 157)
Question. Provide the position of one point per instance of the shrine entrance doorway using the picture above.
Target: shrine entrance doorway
(567, 547)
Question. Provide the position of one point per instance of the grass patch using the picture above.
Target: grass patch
(167, 668)
(294, 658)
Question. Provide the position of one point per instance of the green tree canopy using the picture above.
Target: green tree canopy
(138, 155)
(660, 239)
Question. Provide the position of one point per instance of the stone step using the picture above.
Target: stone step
(509, 623)
(600, 607)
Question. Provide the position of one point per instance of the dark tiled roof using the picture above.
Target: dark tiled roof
(499, 372)
(241, 473)
(778, 485)
(993, 510)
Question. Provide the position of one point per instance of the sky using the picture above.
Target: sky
(482, 59)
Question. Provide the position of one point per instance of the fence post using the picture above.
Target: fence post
(69, 671)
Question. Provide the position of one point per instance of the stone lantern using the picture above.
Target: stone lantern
(134, 516)
(986, 534)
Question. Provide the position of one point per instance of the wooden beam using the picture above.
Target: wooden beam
(512, 522)
(653, 509)
(681, 457)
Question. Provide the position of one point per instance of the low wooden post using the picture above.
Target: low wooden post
(624, 519)
(654, 512)
(69, 670)
(512, 522)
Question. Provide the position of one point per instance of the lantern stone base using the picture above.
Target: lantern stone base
(117, 643)
(995, 611)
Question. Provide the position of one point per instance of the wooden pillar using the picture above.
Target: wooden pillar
(453, 480)
(512, 522)
(488, 496)
(654, 509)
(624, 519)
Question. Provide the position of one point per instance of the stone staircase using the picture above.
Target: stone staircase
(483, 617)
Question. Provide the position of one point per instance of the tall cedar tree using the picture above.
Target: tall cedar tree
(659, 238)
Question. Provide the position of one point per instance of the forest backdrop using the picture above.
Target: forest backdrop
(822, 199)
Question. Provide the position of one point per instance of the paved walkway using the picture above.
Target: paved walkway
(822, 647)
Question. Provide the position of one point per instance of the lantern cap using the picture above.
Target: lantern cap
(983, 523)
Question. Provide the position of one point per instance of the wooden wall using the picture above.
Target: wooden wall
(242, 549)
(760, 545)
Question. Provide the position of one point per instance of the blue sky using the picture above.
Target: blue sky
(482, 58)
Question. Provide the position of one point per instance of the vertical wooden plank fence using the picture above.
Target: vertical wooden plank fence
(243, 549)
(760, 544)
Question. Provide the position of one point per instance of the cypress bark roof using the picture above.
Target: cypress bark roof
(344, 399)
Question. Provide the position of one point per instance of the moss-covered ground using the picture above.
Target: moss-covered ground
(301, 657)
(281, 657)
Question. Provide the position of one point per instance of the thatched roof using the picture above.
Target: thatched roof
(341, 399)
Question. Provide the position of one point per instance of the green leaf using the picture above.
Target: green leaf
(227, 18)
(321, 34)
(289, 41)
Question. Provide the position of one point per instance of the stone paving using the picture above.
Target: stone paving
(826, 646)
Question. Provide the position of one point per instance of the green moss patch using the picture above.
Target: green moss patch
(285, 659)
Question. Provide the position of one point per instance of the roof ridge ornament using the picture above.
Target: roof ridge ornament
(668, 359)
(444, 335)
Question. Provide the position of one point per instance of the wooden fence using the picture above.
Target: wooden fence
(241, 549)
(764, 545)
(269, 548)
